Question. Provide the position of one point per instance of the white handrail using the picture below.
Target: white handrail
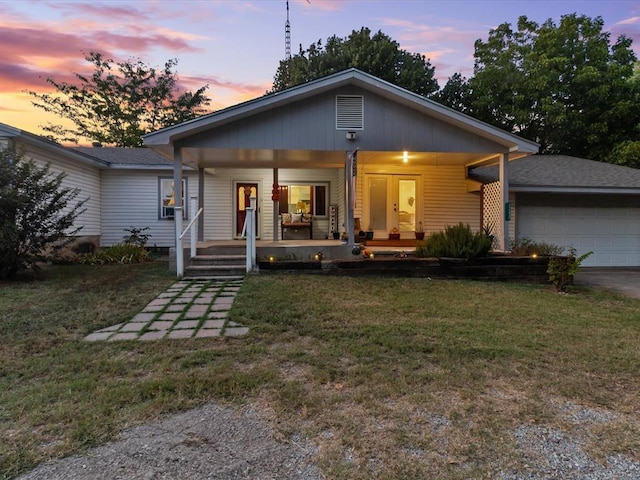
(191, 223)
(180, 234)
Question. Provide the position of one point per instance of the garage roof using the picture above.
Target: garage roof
(558, 173)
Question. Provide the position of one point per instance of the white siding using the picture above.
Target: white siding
(130, 199)
(219, 208)
(445, 199)
(78, 175)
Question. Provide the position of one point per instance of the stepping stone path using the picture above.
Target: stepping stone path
(187, 309)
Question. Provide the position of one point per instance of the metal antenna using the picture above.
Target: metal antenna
(287, 36)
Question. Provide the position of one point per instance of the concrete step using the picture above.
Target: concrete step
(239, 249)
(218, 260)
(215, 271)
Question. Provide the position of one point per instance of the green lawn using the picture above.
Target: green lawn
(392, 378)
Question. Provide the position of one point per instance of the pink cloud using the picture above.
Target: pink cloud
(99, 11)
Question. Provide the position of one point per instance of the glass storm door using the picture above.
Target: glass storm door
(391, 202)
(244, 191)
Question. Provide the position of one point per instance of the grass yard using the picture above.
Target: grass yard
(391, 378)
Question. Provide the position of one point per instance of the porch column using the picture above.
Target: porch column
(275, 196)
(177, 209)
(349, 188)
(505, 216)
(201, 204)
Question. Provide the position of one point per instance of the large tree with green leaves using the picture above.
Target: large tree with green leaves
(36, 211)
(376, 54)
(119, 102)
(566, 86)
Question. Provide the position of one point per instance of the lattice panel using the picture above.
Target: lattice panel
(491, 209)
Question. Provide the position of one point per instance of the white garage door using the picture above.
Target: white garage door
(612, 234)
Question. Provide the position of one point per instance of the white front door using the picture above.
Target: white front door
(391, 202)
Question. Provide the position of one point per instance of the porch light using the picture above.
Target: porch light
(534, 255)
(405, 156)
(272, 258)
(318, 256)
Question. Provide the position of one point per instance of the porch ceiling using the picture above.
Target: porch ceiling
(269, 158)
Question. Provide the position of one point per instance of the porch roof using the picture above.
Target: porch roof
(271, 131)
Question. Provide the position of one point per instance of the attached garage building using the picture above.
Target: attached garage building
(592, 206)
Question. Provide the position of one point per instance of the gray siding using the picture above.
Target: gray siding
(311, 125)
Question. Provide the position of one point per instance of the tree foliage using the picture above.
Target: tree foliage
(376, 54)
(36, 211)
(565, 86)
(119, 102)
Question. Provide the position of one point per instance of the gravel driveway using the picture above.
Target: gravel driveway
(225, 444)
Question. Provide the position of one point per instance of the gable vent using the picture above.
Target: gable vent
(350, 112)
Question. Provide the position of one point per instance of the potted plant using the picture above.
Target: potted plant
(419, 232)
(369, 233)
(335, 235)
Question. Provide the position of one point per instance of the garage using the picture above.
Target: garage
(607, 226)
(568, 201)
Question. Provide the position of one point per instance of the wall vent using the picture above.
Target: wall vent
(350, 112)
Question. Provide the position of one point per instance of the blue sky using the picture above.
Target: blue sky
(235, 45)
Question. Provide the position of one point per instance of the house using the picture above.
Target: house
(348, 143)
(350, 151)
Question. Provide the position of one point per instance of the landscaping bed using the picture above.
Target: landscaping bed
(493, 267)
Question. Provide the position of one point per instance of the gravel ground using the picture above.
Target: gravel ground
(205, 443)
(224, 444)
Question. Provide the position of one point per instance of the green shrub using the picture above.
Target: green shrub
(136, 236)
(457, 241)
(118, 253)
(562, 269)
(524, 247)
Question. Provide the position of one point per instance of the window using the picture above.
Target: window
(166, 195)
(305, 198)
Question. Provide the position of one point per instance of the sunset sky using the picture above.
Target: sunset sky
(235, 45)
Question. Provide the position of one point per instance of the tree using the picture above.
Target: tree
(565, 86)
(455, 94)
(378, 55)
(36, 212)
(119, 102)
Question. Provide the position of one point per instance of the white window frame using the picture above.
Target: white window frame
(165, 189)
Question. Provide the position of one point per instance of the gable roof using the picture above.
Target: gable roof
(37, 142)
(163, 140)
(563, 173)
(117, 157)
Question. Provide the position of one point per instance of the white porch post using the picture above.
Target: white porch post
(349, 188)
(177, 215)
(201, 204)
(192, 234)
(250, 222)
(177, 210)
(506, 207)
(275, 196)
